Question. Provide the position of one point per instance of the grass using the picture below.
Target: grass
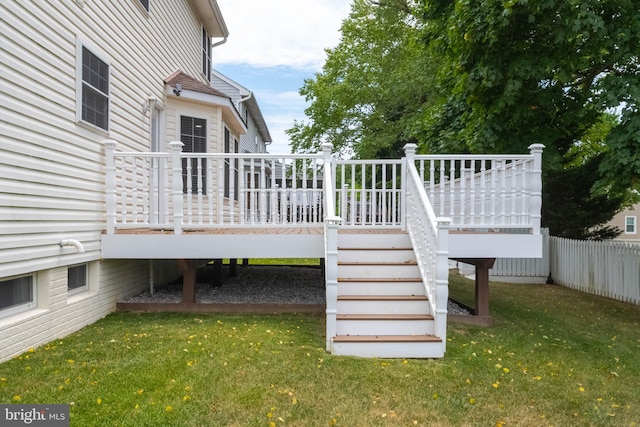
(554, 357)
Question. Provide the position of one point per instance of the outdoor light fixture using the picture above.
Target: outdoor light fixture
(177, 89)
(149, 104)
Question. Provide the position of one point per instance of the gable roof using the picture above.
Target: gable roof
(212, 19)
(196, 91)
(190, 83)
(251, 102)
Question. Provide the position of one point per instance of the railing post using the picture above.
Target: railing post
(409, 159)
(331, 226)
(536, 187)
(176, 167)
(442, 278)
(327, 149)
(110, 184)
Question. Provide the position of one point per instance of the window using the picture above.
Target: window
(77, 277)
(193, 134)
(230, 181)
(630, 225)
(206, 54)
(94, 102)
(145, 4)
(17, 295)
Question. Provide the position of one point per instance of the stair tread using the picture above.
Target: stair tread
(382, 297)
(351, 248)
(386, 338)
(378, 280)
(408, 262)
(384, 317)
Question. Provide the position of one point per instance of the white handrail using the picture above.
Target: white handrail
(429, 237)
(331, 224)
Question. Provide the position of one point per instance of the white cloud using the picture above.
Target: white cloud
(280, 32)
(283, 109)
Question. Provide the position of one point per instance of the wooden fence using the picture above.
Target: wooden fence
(607, 268)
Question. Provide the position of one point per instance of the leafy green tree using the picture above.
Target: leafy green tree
(515, 72)
(373, 86)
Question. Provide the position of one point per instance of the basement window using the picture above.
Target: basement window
(77, 278)
(17, 295)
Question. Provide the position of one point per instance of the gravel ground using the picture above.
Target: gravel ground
(255, 284)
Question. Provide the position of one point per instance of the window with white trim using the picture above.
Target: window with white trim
(93, 97)
(193, 134)
(231, 180)
(206, 54)
(78, 278)
(630, 224)
(17, 294)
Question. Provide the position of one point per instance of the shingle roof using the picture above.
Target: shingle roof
(189, 83)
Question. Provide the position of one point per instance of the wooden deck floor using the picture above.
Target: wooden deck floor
(243, 230)
(314, 230)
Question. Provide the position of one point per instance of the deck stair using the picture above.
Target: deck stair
(382, 310)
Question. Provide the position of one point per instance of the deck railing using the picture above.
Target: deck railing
(175, 189)
(485, 191)
(331, 224)
(429, 236)
(369, 192)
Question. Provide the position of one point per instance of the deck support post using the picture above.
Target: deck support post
(481, 283)
(233, 267)
(189, 270)
(217, 272)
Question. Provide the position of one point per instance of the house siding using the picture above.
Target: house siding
(619, 220)
(60, 313)
(52, 173)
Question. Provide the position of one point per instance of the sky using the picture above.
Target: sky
(272, 47)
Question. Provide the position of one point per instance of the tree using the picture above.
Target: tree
(373, 86)
(517, 72)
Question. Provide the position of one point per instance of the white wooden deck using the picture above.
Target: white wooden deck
(252, 205)
(194, 206)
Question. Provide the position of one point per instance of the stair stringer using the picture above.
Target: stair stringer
(382, 307)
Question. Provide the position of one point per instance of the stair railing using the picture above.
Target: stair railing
(429, 236)
(331, 224)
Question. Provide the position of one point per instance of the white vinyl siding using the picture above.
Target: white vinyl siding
(51, 169)
(59, 313)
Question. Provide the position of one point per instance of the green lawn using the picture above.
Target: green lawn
(554, 357)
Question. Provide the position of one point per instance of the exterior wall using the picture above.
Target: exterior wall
(248, 140)
(620, 220)
(237, 92)
(52, 173)
(51, 168)
(60, 313)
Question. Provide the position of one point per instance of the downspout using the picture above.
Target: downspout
(73, 242)
(223, 41)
